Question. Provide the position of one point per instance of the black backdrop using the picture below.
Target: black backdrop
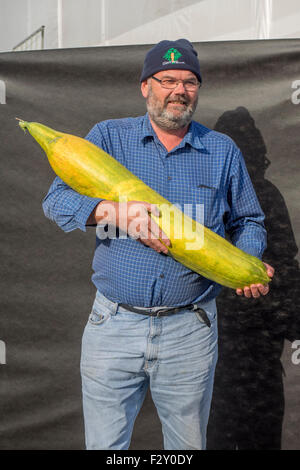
(46, 293)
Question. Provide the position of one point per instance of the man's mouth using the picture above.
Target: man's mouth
(177, 103)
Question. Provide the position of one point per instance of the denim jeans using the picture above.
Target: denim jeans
(123, 353)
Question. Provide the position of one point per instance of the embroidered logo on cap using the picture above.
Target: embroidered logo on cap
(172, 55)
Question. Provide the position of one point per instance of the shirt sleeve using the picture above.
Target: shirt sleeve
(245, 220)
(69, 209)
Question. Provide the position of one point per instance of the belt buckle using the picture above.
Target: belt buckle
(173, 310)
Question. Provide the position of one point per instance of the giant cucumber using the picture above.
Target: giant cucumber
(92, 172)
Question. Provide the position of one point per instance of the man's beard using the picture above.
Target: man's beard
(166, 119)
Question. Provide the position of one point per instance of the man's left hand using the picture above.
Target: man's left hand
(256, 290)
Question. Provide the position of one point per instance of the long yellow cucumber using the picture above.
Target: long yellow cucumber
(92, 172)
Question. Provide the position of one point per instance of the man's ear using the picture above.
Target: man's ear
(145, 88)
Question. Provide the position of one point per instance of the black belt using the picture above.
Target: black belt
(169, 311)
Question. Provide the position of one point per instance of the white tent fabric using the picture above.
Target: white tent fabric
(204, 20)
(207, 20)
(83, 23)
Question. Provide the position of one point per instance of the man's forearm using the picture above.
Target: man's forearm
(251, 238)
(104, 213)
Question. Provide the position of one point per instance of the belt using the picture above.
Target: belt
(169, 311)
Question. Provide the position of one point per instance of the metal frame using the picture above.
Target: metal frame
(21, 46)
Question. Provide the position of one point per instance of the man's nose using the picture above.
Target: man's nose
(179, 88)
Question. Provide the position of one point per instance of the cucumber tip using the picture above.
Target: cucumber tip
(22, 124)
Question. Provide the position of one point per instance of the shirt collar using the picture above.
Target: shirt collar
(191, 137)
(147, 129)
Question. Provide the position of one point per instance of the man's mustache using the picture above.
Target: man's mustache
(179, 99)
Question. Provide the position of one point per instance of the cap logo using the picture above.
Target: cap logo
(172, 55)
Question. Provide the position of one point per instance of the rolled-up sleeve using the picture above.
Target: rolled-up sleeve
(69, 209)
(245, 220)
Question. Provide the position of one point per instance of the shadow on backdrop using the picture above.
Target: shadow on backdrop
(248, 400)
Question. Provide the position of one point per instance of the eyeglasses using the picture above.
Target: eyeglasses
(171, 83)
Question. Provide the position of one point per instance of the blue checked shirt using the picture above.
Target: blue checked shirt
(205, 168)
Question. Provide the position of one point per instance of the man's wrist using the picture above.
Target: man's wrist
(106, 213)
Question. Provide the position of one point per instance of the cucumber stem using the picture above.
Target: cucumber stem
(22, 124)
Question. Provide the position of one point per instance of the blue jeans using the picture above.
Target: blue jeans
(124, 352)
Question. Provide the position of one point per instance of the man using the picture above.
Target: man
(153, 322)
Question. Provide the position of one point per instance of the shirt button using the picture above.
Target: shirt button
(162, 276)
(169, 177)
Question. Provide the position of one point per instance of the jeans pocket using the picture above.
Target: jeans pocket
(96, 318)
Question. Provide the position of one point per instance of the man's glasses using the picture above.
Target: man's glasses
(170, 83)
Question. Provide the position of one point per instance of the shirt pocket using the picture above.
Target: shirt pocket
(201, 201)
(206, 203)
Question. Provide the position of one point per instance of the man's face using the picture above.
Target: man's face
(170, 109)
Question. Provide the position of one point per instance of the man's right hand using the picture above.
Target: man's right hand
(134, 218)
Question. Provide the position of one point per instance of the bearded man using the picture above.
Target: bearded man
(154, 321)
